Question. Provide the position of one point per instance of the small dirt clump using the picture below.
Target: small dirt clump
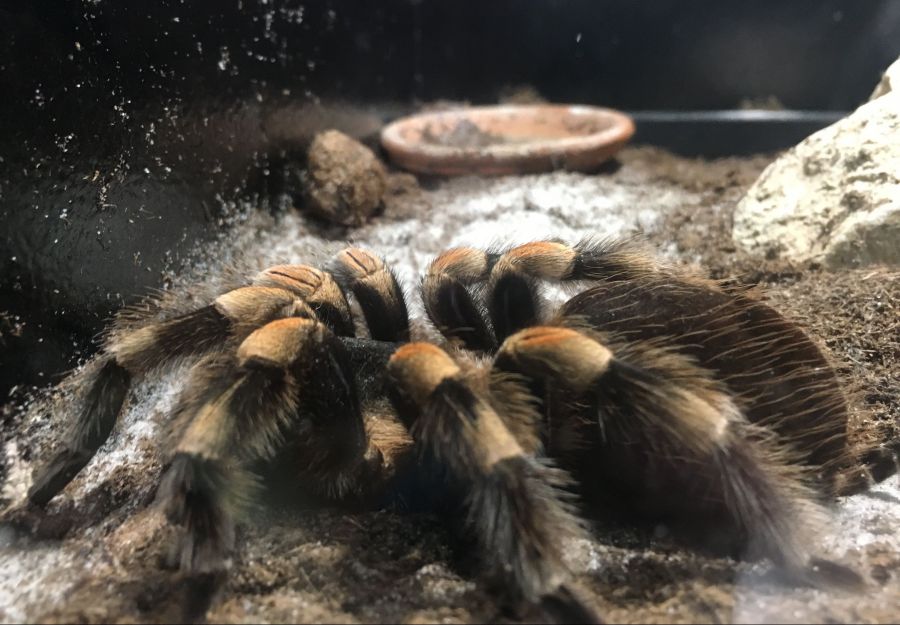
(344, 182)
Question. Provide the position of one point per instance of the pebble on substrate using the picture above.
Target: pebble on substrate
(344, 181)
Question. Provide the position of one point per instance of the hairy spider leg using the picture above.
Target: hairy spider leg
(286, 386)
(780, 377)
(130, 354)
(507, 281)
(449, 304)
(376, 289)
(873, 465)
(515, 506)
(662, 429)
(783, 379)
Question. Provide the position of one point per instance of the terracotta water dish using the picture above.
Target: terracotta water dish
(507, 139)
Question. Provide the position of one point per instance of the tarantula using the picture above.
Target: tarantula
(652, 391)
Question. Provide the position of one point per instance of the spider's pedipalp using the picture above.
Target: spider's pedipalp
(376, 289)
(516, 506)
(450, 306)
(659, 429)
(317, 288)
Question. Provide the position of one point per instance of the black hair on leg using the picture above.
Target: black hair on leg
(514, 303)
(450, 306)
(108, 384)
(666, 428)
(516, 506)
(376, 289)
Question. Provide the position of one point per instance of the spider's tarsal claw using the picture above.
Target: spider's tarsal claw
(563, 354)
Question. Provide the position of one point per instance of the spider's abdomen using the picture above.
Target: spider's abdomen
(779, 376)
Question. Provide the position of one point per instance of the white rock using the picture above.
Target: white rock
(835, 197)
(890, 81)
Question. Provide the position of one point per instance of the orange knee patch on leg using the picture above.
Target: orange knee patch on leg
(569, 356)
(543, 336)
(466, 264)
(542, 259)
(280, 342)
(420, 367)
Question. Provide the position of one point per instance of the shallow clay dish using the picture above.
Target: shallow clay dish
(492, 140)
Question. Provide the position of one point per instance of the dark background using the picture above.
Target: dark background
(128, 128)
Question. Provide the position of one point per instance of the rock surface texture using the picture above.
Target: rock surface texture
(835, 197)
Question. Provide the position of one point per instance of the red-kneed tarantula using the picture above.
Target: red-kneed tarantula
(652, 392)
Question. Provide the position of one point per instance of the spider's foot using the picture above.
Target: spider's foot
(191, 494)
(564, 606)
(54, 476)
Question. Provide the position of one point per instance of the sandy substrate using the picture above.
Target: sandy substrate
(98, 554)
